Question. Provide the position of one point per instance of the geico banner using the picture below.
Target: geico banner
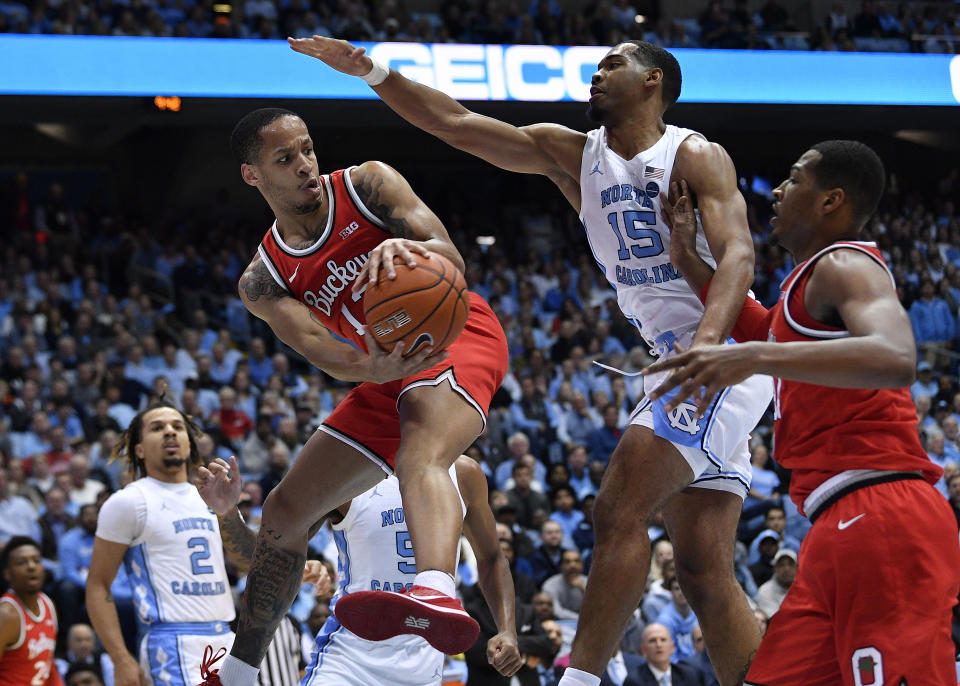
(496, 72)
(120, 66)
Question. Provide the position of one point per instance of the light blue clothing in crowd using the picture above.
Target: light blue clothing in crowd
(681, 630)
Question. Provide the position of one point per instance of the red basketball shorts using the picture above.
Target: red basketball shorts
(368, 420)
(876, 583)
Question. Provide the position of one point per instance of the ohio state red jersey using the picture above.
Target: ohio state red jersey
(321, 275)
(29, 661)
(823, 431)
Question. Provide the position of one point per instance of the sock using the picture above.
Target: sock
(575, 677)
(236, 672)
(437, 580)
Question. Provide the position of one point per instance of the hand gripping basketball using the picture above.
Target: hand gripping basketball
(426, 305)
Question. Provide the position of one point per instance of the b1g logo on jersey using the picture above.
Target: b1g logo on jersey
(390, 323)
(867, 667)
(350, 229)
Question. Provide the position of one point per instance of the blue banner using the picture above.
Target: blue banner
(115, 66)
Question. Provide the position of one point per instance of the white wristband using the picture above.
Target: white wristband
(377, 75)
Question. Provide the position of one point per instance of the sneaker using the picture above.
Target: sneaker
(210, 676)
(420, 611)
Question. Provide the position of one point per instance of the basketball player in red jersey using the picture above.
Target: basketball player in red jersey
(332, 235)
(878, 572)
(28, 621)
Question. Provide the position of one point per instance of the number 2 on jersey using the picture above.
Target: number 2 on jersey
(648, 242)
(202, 553)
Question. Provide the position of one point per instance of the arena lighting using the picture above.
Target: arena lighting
(640, 19)
(169, 103)
(194, 67)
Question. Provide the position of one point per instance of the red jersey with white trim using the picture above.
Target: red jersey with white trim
(29, 661)
(823, 431)
(321, 275)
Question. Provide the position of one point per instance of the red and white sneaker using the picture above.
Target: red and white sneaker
(420, 611)
(210, 676)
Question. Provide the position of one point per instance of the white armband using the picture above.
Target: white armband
(377, 75)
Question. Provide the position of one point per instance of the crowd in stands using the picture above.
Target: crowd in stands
(101, 313)
(915, 26)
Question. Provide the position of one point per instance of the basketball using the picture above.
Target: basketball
(425, 305)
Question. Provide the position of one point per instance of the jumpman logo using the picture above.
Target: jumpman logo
(376, 491)
(596, 169)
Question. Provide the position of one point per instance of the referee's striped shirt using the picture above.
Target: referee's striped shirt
(284, 659)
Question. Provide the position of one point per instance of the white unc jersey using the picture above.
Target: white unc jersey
(620, 211)
(375, 554)
(175, 559)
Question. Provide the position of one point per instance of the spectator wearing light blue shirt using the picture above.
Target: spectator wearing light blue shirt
(75, 550)
(136, 367)
(223, 364)
(564, 500)
(535, 415)
(261, 366)
(775, 521)
(933, 323)
(577, 459)
(679, 620)
(35, 440)
(17, 516)
(577, 423)
(518, 446)
(568, 372)
(925, 384)
(940, 453)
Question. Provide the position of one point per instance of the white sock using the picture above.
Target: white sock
(437, 580)
(236, 672)
(575, 677)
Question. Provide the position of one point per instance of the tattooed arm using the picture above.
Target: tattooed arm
(220, 484)
(416, 228)
(295, 325)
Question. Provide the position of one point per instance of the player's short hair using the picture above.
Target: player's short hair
(654, 56)
(123, 450)
(245, 141)
(11, 545)
(855, 168)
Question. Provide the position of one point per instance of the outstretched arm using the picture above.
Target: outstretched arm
(495, 580)
(711, 176)
(547, 149)
(846, 286)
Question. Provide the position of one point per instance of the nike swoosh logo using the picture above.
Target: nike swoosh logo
(844, 524)
(290, 280)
